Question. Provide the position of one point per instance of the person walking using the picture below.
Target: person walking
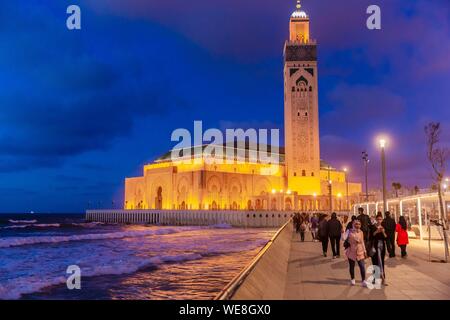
(334, 233)
(350, 224)
(323, 233)
(378, 244)
(365, 223)
(314, 227)
(356, 251)
(389, 226)
(402, 235)
(303, 228)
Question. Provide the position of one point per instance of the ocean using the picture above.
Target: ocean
(120, 261)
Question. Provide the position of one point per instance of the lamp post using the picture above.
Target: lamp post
(383, 172)
(330, 189)
(346, 186)
(366, 160)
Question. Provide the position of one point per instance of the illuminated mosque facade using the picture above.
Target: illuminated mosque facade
(302, 180)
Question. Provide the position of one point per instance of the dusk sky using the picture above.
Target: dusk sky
(81, 110)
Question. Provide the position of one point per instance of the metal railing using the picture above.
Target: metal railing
(230, 289)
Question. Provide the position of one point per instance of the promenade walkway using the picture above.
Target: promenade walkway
(312, 276)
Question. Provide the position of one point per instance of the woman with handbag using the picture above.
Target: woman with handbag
(355, 250)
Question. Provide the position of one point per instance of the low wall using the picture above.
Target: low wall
(250, 219)
(265, 277)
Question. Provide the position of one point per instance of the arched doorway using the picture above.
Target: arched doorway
(214, 205)
(258, 204)
(158, 199)
(234, 206)
(249, 205)
(288, 204)
(183, 206)
(273, 204)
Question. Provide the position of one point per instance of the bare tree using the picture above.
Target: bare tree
(438, 157)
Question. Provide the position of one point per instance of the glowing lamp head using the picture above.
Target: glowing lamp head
(382, 143)
(345, 169)
(288, 192)
(274, 191)
(339, 195)
(314, 194)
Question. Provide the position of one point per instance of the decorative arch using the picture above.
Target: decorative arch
(262, 186)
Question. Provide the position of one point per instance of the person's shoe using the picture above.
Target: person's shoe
(334, 257)
(353, 282)
(364, 284)
(324, 254)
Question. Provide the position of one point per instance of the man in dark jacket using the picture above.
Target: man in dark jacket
(389, 227)
(334, 233)
(323, 233)
(365, 223)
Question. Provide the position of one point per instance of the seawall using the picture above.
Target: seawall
(265, 277)
(247, 219)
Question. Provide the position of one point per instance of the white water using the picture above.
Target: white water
(30, 264)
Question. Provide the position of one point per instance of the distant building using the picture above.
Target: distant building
(301, 180)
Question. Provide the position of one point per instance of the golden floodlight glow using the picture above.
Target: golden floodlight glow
(289, 192)
(281, 191)
(339, 195)
(314, 194)
(274, 191)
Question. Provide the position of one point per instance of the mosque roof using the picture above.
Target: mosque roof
(166, 157)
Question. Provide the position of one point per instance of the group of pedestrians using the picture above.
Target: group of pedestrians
(378, 238)
(362, 238)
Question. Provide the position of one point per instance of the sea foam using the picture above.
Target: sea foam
(21, 241)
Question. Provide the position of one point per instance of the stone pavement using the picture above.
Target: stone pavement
(312, 276)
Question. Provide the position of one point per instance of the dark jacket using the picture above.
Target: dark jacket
(323, 229)
(365, 222)
(389, 225)
(334, 227)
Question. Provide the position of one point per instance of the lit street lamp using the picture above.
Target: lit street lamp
(383, 172)
(346, 182)
(330, 191)
(366, 160)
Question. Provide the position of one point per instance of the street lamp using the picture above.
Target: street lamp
(383, 171)
(330, 191)
(366, 160)
(346, 186)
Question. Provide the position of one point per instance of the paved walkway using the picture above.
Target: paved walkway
(312, 276)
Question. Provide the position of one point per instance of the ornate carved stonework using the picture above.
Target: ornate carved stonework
(301, 53)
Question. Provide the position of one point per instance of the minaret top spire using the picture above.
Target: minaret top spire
(299, 25)
(298, 13)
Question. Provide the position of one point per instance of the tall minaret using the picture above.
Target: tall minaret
(301, 111)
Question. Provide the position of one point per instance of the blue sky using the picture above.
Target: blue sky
(81, 110)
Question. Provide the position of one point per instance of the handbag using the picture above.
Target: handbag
(346, 244)
(371, 251)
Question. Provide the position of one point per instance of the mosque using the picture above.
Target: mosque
(302, 180)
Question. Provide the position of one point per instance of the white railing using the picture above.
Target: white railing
(240, 218)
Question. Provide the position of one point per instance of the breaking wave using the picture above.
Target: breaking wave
(22, 221)
(21, 241)
(31, 284)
